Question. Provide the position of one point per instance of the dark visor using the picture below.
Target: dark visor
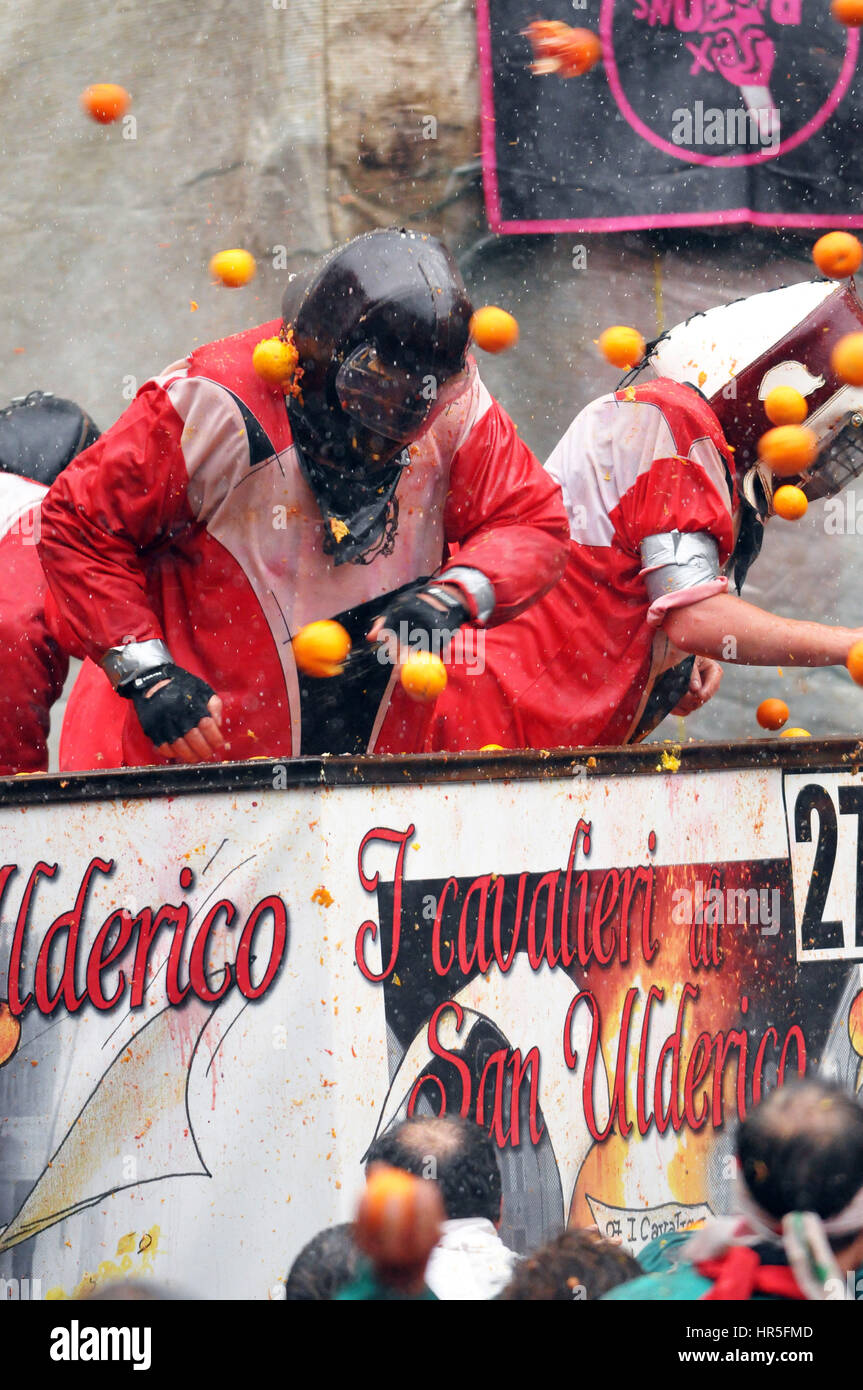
(388, 400)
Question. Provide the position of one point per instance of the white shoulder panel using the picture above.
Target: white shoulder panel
(607, 446)
(17, 496)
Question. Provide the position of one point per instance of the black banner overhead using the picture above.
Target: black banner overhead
(700, 112)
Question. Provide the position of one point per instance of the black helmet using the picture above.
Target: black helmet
(381, 328)
(41, 433)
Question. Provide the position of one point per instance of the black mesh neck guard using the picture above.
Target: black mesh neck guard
(360, 516)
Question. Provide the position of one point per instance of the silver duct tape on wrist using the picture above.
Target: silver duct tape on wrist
(474, 583)
(678, 560)
(122, 663)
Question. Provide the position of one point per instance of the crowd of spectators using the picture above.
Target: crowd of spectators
(427, 1226)
(795, 1230)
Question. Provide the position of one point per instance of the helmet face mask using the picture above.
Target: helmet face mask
(840, 460)
(381, 327)
(388, 400)
(380, 324)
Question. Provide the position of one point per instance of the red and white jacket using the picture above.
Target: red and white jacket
(175, 526)
(32, 667)
(578, 667)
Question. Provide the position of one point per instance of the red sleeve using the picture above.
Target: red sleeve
(506, 515)
(125, 495)
(32, 668)
(678, 494)
(662, 491)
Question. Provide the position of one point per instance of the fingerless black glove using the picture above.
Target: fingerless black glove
(414, 609)
(174, 710)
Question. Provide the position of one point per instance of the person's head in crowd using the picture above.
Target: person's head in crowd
(795, 1230)
(328, 1262)
(801, 1151)
(576, 1265)
(470, 1260)
(457, 1153)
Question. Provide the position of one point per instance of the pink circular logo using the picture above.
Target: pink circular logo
(725, 73)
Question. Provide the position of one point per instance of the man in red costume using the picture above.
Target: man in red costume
(38, 437)
(220, 514)
(665, 493)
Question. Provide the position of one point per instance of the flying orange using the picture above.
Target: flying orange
(790, 502)
(785, 406)
(10, 1032)
(772, 714)
(493, 329)
(837, 255)
(105, 102)
(320, 648)
(847, 358)
(275, 361)
(621, 346)
(423, 676)
(854, 662)
(233, 268)
(788, 449)
(560, 49)
(848, 12)
(399, 1217)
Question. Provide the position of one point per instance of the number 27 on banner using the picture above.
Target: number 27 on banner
(824, 812)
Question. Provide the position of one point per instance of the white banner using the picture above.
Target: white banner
(213, 1002)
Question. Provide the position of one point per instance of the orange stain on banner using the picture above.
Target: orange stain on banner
(10, 1033)
(109, 1271)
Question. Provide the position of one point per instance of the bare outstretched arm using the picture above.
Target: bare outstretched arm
(759, 638)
